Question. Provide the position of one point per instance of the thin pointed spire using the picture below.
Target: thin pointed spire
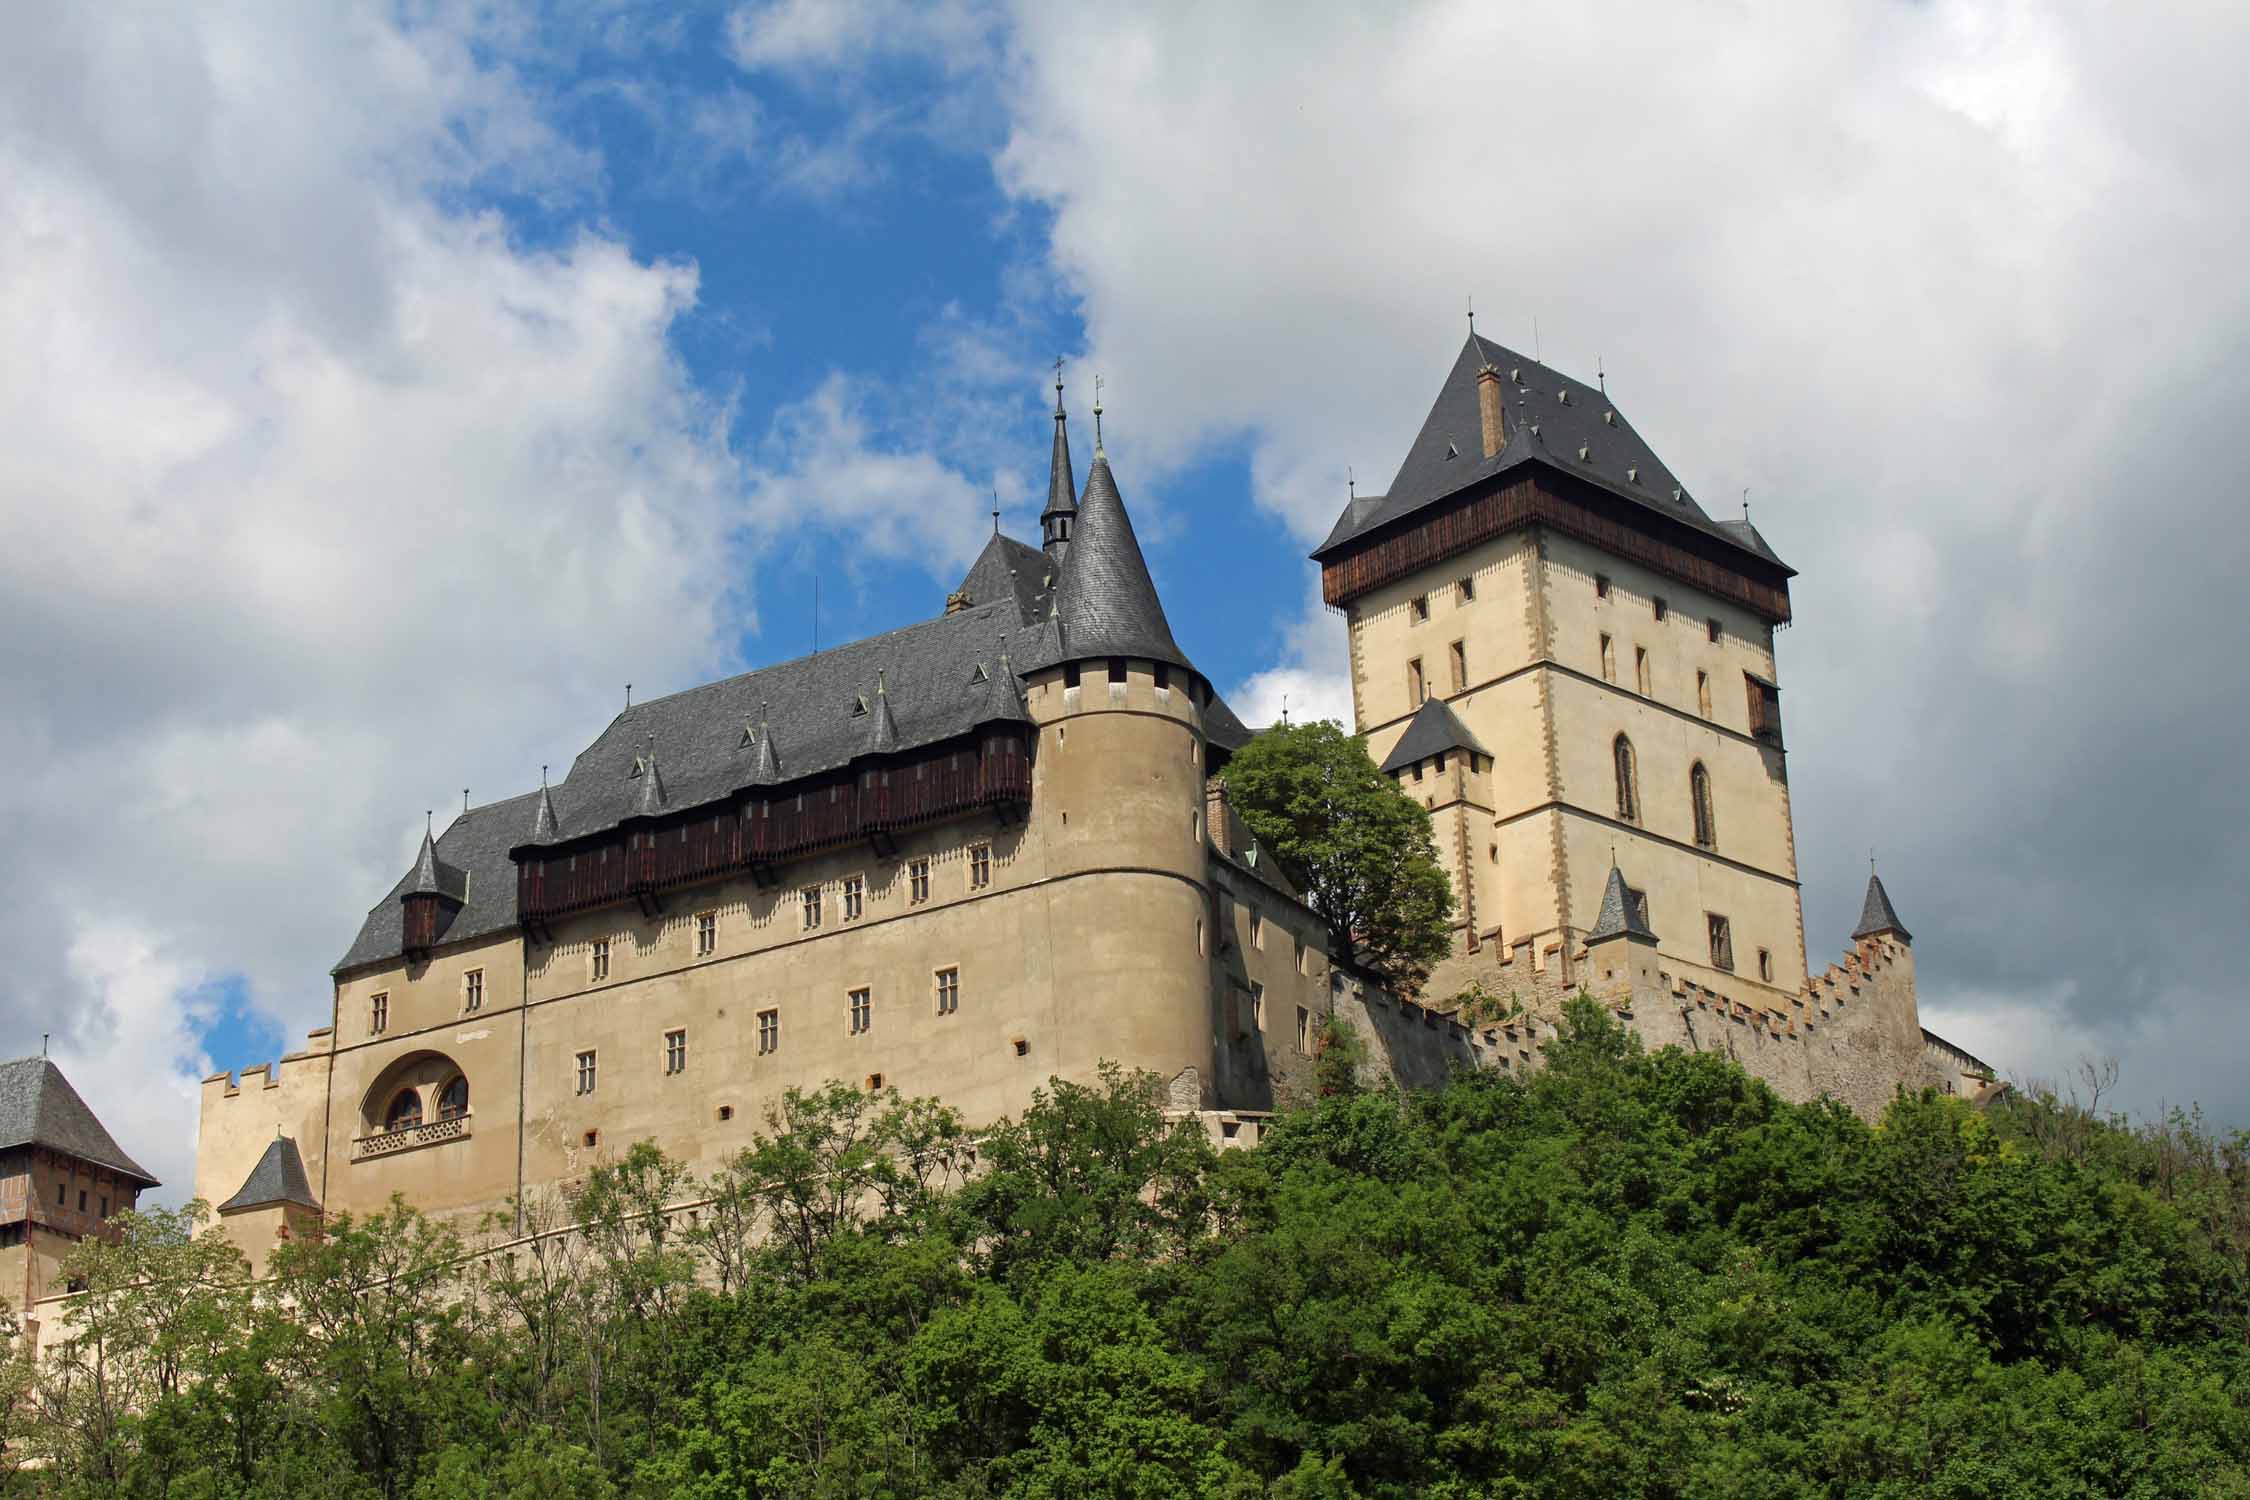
(545, 826)
(652, 799)
(1876, 914)
(1055, 522)
(882, 729)
(766, 770)
(1003, 696)
(1620, 914)
(1097, 416)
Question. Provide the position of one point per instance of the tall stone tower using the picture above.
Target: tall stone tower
(1556, 651)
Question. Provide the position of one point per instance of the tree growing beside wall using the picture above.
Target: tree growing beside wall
(1358, 847)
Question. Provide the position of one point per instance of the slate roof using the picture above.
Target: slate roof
(1578, 431)
(476, 843)
(432, 876)
(38, 1107)
(1434, 729)
(1876, 914)
(1105, 602)
(279, 1177)
(1621, 915)
(1009, 569)
(1062, 479)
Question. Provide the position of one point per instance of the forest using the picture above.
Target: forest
(1624, 1274)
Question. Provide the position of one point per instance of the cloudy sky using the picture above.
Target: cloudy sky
(383, 387)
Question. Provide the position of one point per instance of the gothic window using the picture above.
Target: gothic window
(1722, 942)
(405, 1112)
(453, 1099)
(1699, 792)
(1628, 781)
(1640, 671)
(1457, 656)
(1609, 659)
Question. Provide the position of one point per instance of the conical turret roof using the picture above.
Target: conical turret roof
(1106, 604)
(1003, 696)
(1620, 914)
(545, 826)
(279, 1177)
(766, 769)
(882, 728)
(651, 800)
(1876, 915)
(433, 876)
(1062, 478)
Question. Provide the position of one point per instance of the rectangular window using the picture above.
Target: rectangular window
(769, 1031)
(1117, 671)
(1609, 659)
(472, 990)
(1458, 658)
(1765, 709)
(1601, 585)
(1640, 669)
(1703, 694)
(980, 866)
(863, 1011)
(1163, 678)
(1722, 942)
(1421, 607)
(62, 1195)
(855, 891)
(105, 1205)
(1070, 674)
(1415, 691)
(706, 934)
(585, 1072)
(918, 879)
(1712, 627)
(1662, 609)
(1257, 929)
(1257, 1006)
(1300, 942)
(675, 1051)
(948, 991)
(81, 1200)
(1765, 965)
(1468, 587)
(378, 1013)
(810, 897)
(600, 959)
(1304, 1032)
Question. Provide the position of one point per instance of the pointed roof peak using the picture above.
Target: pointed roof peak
(766, 770)
(1062, 479)
(38, 1107)
(1434, 729)
(652, 799)
(1621, 915)
(1107, 603)
(1876, 914)
(545, 826)
(882, 728)
(279, 1177)
(1003, 695)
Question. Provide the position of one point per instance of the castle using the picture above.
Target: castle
(995, 847)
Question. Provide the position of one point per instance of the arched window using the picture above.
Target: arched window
(453, 1103)
(1699, 792)
(405, 1112)
(1628, 782)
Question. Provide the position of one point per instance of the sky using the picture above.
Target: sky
(384, 387)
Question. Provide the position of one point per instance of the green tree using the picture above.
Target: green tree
(1357, 846)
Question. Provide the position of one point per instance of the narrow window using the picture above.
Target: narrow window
(706, 934)
(472, 990)
(453, 1100)
(1662, 609)
(1765, 964)
(1601, 585)
(809, 898)
(769, 1031)
(62, 1195)
(1257, 1006)
(1257, 929)
(81, 1200)
(1628, 781)
(1415, 691)
(1609, 659)
(1163, 678)
(1421, 608)
(585, 1072)
(980, 866)
(675, 1051)
(1300, 942)
(1711, 627)
(378, 1013)
(948, 991)
(105, 1205)
(1699, 793)
(1117, 671)
(863, 1011)
(1722, 942)
(1304, 1032)
(1703, 694)
(1468, 587)
(601, 959)
(1458, 660)
(1640, 670)
(1070, 674)
(855, 890)
(918, 880)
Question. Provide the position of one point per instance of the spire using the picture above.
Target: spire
(1003, 696)
(652, 784)
(1062, 483)
(545, 826)
(767, 769)
(1621, 915)
(1106, 604)
(882, 729)
(425, 881)
(1875, 914)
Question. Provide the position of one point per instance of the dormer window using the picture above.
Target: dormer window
(859, 706)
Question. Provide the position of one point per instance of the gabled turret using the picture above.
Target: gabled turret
(651, 800)
(1876, 916)
(882, 729)
(1003, 695)
(1621, 916)
(545, 826)
(433, 894)
(766, 769)
(1061, 514)
(1106, 604)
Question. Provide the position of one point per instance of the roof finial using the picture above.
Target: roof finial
(1285, 708)
(1472, 316)
(1058, 385)
(542, 773)
(880, 690)
(429, 821)
(464, 802)
(1746, 502)
(43, 1044)
(628, 695)
(1351, 483)
(996, 510)
(1600, 377)
(1536, 357)
(1098, 417)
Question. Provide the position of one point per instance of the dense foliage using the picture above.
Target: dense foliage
(1358, 847)
(1625, 1275)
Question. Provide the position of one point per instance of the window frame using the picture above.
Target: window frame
(1625, 762)
(769, 1031)
(1703, 819)
(1457, 662)
(589, 1070)
(1721, 933)
(406, 1103)
(675, 1051)
(379, 1013)
(918, 880)
(472, 990)
(947, 987)
(862, 1002)
(597, 961)
(445, 1110)
(808, 904)
(980, 867)
(706, 933)
(855, 897)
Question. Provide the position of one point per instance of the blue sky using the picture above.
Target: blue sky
(390, 383)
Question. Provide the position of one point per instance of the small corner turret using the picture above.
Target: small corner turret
(1876, 916)
(433, 894)
(1061, 514)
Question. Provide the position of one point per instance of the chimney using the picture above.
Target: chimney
(1216, 822)
(1491, 411)
(957, 601)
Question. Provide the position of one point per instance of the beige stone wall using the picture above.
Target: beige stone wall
(1269, 975)
(241, 1116)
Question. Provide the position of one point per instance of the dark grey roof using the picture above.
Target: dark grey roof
(38, 1107)
(650, 801)
(1875, 913)
(1062, 479)
(1222, 728)
(543, 821)
(1621, 915)
(881, 737)
(279, 1177)
(1009, 569)
(1253, 859)
(1551, 419)
(432, 876)
(1003, 694)
(1433, 730)
(1106, 603)
(476, 844)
